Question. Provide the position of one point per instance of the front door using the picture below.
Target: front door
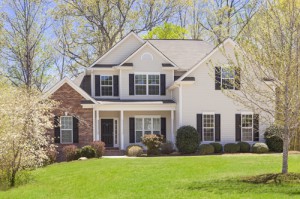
(107, 132)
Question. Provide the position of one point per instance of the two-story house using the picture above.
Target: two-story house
(144, 87)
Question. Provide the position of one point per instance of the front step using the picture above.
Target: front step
(113, 152)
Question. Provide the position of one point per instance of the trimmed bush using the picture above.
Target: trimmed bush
(152, 142)
(260, 148)
(218, 148)
(231, 148)
(70, 152)
(187, 140)
(244, 147)
(88, 152)
(52, 155)
(99, 148)
(134, 151)
(275, 143)
(206, 149)
(167, 148)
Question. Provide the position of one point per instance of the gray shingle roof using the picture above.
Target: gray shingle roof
(184, 53)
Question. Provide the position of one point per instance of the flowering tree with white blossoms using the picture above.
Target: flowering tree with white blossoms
(25, 117)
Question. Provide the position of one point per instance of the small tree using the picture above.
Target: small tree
(153, 142)
(24, 120)
(187, 139)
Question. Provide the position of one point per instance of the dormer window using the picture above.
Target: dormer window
(147, 84)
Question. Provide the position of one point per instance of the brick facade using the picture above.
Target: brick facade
(70, 104)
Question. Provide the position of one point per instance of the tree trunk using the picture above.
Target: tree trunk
(13, 179)
(285, 153)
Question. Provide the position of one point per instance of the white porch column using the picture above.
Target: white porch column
(172, 127)
(97, 126)
(122, 129)
(180, 106)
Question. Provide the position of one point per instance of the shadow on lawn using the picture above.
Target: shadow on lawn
(236, 186)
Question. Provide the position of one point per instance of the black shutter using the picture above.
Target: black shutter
(255, 127)
(75, 130)
(162, 84)
(56, 129)
(116, 85)
(217, 78)
(163, 128)
(97, 85)
(131, 84)
(237, 78)
(131, 130)
(217, 127)
(238, 129)
(199, 125)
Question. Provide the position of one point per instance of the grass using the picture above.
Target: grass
(159, 177)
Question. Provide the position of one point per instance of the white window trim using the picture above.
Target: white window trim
(147, 83)
(66, 129)
(143, 119)
(247, 113)
(112, 86)
(214, 130)
(227, 78)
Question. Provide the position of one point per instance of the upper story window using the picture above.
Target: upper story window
(227, 78)
(106, 86)
(147, 84)
(247, 127)
(66, 130)
(208, 127)
(146, 125)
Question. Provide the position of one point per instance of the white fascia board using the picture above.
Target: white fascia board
(131, 107)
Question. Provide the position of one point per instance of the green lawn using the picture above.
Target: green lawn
(158, 177)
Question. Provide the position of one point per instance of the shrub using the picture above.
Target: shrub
(51, 154)
(134, 151)
(244, 147)
(70, 152)
(152, 142)
(99, 148)
(273, 130)
(260, 148)
(187, 139)
(88, 152)
(218, 148)
(275, 143)
(231, 148)
(167, 148)
(205, 149)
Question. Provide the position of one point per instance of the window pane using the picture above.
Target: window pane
(247, 120)
(153, 90)
(156, 132)
(228, 73)
(106, 90)
(140, 79)
(228, 83)
(139, 124)
(147, 124)
(66, 136)
(106, 80)
(208, 121)
(138, 136)
(140, 90)
(153, 79)
(156, 124)
(66, 122)
(247, 134)
(147, 132)
(208, 134)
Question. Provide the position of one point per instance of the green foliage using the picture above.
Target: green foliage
(275, 143)
(187, 140)
(152, 142)
(244, 147)
(231, 148)
(88, 152)
(99, 148)
(260, 148)
(273, 130)
(167, 148)
(70, 152)
(167, 31)
(134, 151)
(218, 148)
(206, 149)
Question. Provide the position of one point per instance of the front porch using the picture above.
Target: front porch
(119, 126)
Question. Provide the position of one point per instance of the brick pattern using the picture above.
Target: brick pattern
(70, 101)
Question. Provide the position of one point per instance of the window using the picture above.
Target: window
(146, 125)
(147, 84)
(208, 127)
(106, 85)
(66, 129)
(227, 77)
(247, 127)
